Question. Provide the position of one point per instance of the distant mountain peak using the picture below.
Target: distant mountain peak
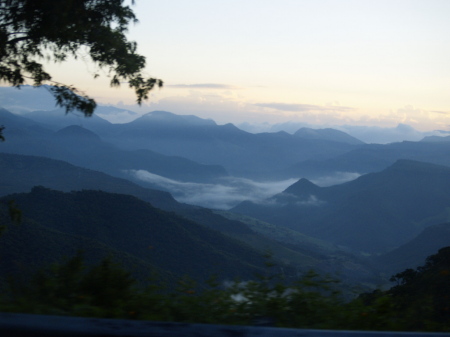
(302, 187)
(231, 126)
(11, 120)
(76, 131)
(405, 128)
(327, 134)
(158, 113)
(5, 112)
(169, 117)
(436, 139)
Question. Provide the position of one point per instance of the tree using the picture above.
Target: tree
(418, 302)
(32, 31)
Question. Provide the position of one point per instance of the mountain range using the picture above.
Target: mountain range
(189, 148)
(373, 158)
(199, 140)
(412, 254)
(307, 153)
(388, 218)
(82, 147)
(18, 174)
(373, 213)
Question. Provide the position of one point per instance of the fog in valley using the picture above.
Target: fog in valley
(229, 191)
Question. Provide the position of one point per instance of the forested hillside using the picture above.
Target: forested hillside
(95, 221)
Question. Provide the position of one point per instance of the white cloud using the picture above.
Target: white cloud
(303, 107)
(116, 115)
(202, 86)
(286, 198)
(230, 191)
(227, 193)
(311, 201)
(336, 179)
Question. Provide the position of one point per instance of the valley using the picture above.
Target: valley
(214, 199)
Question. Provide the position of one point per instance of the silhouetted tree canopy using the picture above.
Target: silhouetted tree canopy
(33, 31)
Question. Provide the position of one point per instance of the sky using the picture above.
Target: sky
(324, 62)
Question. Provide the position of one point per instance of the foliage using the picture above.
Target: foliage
(425, 292)
(107, 290)
(14, 215)
(420, 299)
(52, 30)
(104, 290)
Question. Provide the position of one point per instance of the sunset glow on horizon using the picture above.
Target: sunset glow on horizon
(327, 62)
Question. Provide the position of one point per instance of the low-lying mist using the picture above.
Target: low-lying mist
(335, 179)
(228, 191)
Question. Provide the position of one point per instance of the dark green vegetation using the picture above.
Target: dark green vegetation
(57, 224)
(374, 213)
(52, 30)
(421, 296)
(419, 301)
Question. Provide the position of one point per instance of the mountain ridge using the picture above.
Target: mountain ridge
(163, 239)
(380, 210)
(327, 134)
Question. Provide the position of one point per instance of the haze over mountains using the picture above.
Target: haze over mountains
(29, 99)
(222, 165)
(367, 134)
(372, 213)
(18, 174)
(317, 198)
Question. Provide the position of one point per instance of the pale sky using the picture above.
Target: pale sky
(362, 62)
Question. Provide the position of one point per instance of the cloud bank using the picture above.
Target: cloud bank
(303, 107)
(228, 192)
(202, 86)
(336, 179)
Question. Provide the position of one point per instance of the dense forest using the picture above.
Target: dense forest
(418, 302)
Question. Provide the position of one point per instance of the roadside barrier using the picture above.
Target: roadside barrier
(25, 325)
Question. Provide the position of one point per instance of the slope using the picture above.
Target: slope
(21, 173)
(327, 134)
(414, 252)
(80, 146)
(372, 158)
(133, 227)
(374, 213)
(240, 152)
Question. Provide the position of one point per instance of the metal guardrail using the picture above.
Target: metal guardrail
(24, 325)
